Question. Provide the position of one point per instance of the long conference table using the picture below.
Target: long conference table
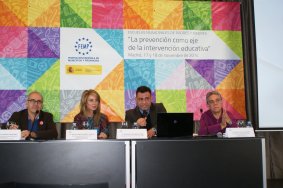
(154, 163)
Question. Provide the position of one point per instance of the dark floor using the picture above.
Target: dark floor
(275, 183)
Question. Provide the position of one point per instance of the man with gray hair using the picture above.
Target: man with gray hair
(33, 122)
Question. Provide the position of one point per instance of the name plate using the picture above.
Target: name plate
(239, 132)
(81, 134)
(131, 134)
(10, 134)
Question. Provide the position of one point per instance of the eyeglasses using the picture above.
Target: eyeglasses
(33, 101)
(217, 101)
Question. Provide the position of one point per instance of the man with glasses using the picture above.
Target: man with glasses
(215, 119)
(33, 122)
(145, 112)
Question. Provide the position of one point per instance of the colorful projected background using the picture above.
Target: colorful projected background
(62, 47)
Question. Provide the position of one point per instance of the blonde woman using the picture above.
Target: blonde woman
(90, 116)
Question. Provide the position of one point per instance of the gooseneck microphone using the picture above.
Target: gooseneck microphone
(201, 112)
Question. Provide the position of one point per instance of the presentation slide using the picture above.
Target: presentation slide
(269, 40)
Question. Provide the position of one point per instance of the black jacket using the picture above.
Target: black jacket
(46, 126)
(133, 115)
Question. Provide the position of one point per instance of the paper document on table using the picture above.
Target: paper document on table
(131, 134)
(81, 134)
(10, 134)
(239, 132)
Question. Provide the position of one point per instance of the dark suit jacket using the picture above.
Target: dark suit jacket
(133, 115)
(46, 129)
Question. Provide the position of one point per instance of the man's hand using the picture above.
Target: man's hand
(33, 135)
(25, 134)
(150, 133)
(141, 122)
(13, 126)
(225, 120)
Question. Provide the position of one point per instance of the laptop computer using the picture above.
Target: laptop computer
(175, 124)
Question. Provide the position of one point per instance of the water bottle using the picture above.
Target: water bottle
(124, 125)
(8, 125)
(74, 126)
(240, 123)
(135, 125)
(249, 124)
(219, 135)
(87, 125)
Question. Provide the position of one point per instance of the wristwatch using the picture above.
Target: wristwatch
(155, 131)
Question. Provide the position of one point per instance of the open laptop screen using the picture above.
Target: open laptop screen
(175, 124)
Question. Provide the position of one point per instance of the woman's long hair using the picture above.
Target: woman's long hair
(83, 109)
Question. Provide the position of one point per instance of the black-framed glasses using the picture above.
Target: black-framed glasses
(33, 101)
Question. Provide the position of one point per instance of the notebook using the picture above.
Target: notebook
(175, 124)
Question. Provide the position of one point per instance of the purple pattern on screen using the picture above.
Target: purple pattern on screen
(130, 99)
(11, 101)
(205, 68)
(222, 68)
(44, 42)
(214, 71)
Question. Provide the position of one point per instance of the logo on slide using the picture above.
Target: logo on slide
(83, 46)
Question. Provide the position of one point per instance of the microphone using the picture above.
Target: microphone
(201, 112)
(197, 124)
(36, 114)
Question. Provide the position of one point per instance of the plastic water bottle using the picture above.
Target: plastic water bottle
(8, 125)
(124, 125)
(74, 126)
(87, 125)
(240, 123)
(219, 135)
(249, 124)
(135, 125)
(84, 125)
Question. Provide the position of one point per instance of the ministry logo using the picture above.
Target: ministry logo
(83, 46)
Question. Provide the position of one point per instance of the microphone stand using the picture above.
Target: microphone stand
(144, 114)
(201, 112)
